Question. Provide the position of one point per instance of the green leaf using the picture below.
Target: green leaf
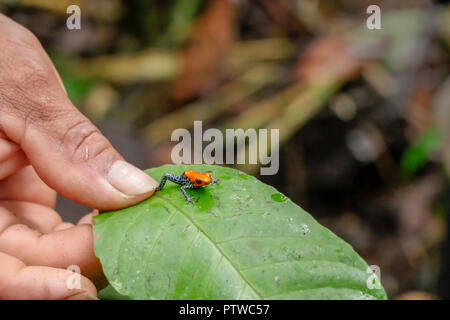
(242, 240)
(418, 153)
(109, 293)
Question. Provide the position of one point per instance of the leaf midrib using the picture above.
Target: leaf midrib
(244, 279)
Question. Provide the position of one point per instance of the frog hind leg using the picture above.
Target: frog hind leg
(171, 177)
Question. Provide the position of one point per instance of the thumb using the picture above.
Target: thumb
(72, 156)
(67, 151)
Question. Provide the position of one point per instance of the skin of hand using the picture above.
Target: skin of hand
(48, 146)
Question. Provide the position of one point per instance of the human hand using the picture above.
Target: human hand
(48, 146)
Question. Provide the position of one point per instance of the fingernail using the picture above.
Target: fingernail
(82, 296)
(130, 180)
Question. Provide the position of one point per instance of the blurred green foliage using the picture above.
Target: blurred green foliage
(77, 88)
(419, 152)
(162, 23)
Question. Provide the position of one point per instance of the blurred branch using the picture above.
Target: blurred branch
(282, 15)
(322, 69)
(308, 12)
(304, 107)
(257, 115)
(254, 51)
(158, 64)
(212, 35)
(443, 23)
(149, 65)
(220, 100)
(442, 115)
(380, 79)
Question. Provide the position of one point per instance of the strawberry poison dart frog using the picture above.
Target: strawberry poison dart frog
(190, 179)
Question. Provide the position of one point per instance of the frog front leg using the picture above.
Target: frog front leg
(186, 196)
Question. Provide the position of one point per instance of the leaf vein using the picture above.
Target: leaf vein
(214, 244)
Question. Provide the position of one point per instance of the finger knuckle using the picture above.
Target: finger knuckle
(86, 143)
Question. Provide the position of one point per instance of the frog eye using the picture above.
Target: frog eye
(198, 181)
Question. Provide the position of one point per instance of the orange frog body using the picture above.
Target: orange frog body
(198, 179)
(190, 179)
